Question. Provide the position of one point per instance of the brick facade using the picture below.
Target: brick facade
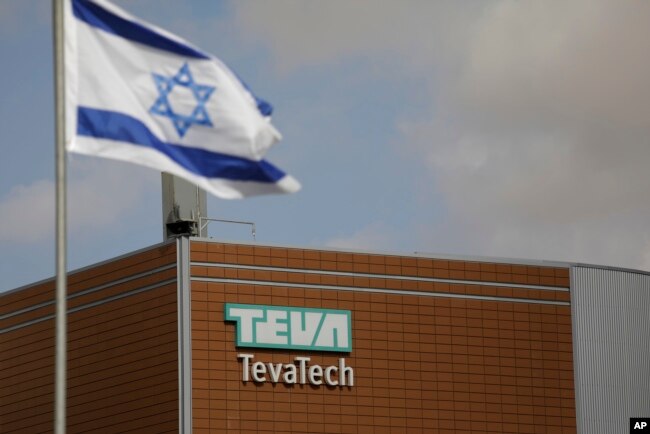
(122, 349)
(438, 345)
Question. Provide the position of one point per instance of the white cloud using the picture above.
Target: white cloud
(375, 236)
(552, 98)
(406, 35)
(99, 194)
(27, 212)
(538, 140)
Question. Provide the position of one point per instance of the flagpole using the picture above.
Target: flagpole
(61, 251)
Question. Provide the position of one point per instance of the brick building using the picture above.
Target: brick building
(435, 344)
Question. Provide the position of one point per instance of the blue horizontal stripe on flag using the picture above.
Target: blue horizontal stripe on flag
(104, 124)
(99, 17)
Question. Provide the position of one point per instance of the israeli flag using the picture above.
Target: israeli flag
(137, 93)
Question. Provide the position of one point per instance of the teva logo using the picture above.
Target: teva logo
(291, 328)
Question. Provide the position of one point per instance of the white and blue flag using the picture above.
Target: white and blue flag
(137, 93)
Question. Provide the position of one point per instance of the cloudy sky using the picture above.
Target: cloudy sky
(498, 128)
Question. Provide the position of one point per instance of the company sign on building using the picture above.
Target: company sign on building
(292, 328)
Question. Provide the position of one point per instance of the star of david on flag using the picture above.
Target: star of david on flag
(137, 93)
(163, 107)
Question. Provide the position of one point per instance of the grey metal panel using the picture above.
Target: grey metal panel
(184, 337)
(380, 276)
(378, 290)
(88, 305)
(611, 345)
(182, 201)
(87, 291)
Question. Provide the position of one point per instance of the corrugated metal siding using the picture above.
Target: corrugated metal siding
(611, 338)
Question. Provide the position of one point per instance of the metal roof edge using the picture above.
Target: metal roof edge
(416, 254)
(87, 267)
(446, 256)
(611, 268)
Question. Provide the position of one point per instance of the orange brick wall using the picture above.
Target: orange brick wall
(123, 352)
(423, 360)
